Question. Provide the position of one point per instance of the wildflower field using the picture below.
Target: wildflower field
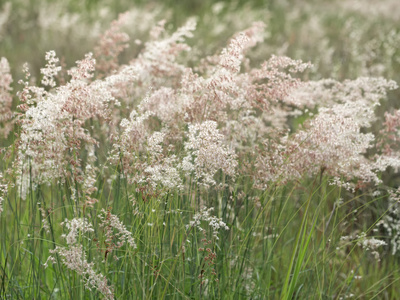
(199, 149)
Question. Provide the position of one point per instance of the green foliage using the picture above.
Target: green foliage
(284, 242)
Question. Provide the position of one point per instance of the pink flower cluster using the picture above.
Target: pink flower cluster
(168, 121)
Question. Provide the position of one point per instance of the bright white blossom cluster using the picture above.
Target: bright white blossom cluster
(53, 124)
(207, 153)
(370, 244)
(328, 92)
(75, 226)
(51, 69)
(213, 222)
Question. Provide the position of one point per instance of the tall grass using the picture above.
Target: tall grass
(287, 246)
(177, 170)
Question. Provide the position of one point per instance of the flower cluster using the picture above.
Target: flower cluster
(6, 114)
(213, 222)
(207, 153)
(3, 191)
(53, 127)
(75, 226)
(110, 222)
(388, 142)
(390, 223)
(111, 44)
(51, 69)
(370, 244)
(335, 140)
(73, 256)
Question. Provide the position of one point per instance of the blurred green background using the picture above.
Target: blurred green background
(343, 39)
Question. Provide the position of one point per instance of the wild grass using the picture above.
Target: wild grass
(162, 167)
(288, 245)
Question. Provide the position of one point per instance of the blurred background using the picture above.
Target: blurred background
(343, 39)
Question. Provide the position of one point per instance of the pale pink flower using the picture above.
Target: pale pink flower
(111, 44)
(206, 153)
(6, 114)
(74, 258)
(110, 222)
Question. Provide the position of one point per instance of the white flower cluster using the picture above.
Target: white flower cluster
(370, 244)
(207, 153)
(205, 215)
(75, 226)
(5, 97)
(51, 69)
(74, 257)
(166, 173)
(3, 192)
(336, 140)
(390, 222)
(123, 235)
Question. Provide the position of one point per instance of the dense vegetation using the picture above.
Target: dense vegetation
(230, 150)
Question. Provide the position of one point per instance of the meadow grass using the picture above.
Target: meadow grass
(286, 245)
(155, 173)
